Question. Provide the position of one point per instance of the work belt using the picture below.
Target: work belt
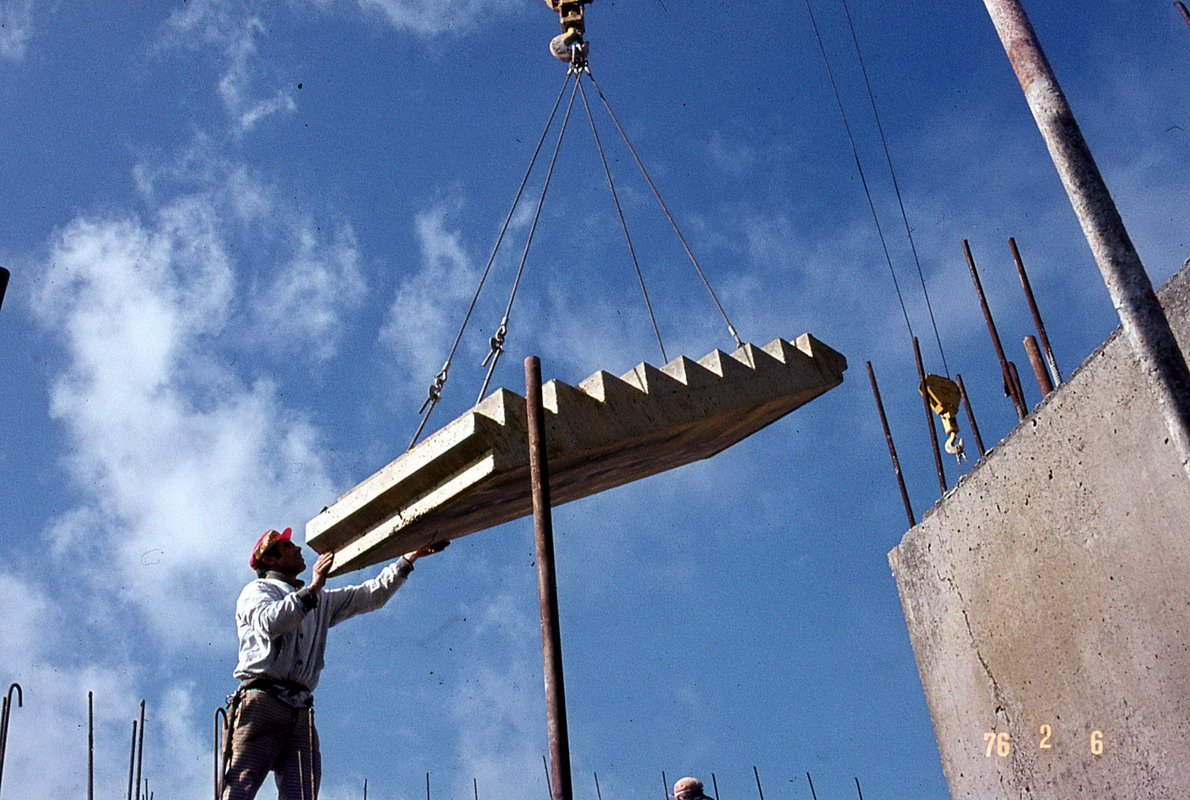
(277, 688)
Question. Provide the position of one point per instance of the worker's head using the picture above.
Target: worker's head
(688, 789)
(275, 551)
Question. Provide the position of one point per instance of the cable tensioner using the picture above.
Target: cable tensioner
(569, 45)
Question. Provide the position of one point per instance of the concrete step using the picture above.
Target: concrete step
(473, 473)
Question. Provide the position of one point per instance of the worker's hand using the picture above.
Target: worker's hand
(430, 549)
(322, 568)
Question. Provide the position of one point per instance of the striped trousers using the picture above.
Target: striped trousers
(271, 736)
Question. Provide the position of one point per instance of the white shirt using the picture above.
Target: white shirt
(283, 629)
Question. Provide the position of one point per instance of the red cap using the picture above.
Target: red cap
(267, 540)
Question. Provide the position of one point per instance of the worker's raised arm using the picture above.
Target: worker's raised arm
(345, 603)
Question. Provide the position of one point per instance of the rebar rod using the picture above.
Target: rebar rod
(1018, 387)
(1141, 316)
(5, 714)
(91, 746)
(598, 794)
(131, 759)
(813, 794)
(921, 378)
(664, 785)
(715, 784)
(892, 449)
(218, 735)
(547, 586)
(140, 749)
(1045, 340)
(1037, 361)
(759, 790)
(958, 379)
(1009, 387)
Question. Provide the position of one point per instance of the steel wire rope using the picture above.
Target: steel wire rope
(435, 389)
(859, 166)
(497, 341)
(896, 185)
(739, 343)
(623, 223)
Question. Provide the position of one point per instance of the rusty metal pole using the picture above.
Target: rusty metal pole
(892, 450)
(1045, 340)
(921, 378)
(547, 587)
(1141, 315)
(1038, 363)
(958, 379)
(1010, 387)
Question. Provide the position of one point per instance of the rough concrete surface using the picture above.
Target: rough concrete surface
(1052, 588)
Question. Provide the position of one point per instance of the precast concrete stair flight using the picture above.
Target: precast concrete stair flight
(474, 473)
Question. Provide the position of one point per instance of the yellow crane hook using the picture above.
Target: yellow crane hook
(944, 396)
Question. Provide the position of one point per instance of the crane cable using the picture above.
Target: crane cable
(896, 186)
(578, 67)
(623, 224)
(731, 328)
(434, 393)
(497, 341)
(941, 394)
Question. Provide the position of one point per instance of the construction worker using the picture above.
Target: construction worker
(689, 789)
(282, 624)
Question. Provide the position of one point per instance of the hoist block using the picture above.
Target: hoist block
(473, 473)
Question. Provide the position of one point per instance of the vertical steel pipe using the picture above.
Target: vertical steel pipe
(1132, 294)
(958, 379)
(1038, 363)
(921, 382)
(547, 586)
(1045, 340)
(1010, 387)
(892, 450)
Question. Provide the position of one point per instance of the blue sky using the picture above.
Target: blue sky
(243, 234)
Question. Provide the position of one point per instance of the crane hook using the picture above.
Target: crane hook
(944, 396)
(569, 45)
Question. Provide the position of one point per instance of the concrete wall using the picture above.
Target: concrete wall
(1052, 588)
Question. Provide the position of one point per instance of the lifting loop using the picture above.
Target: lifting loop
(944, 396)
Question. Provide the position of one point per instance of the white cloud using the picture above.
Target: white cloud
(429, 304)
(16, 28)
(233, 31)
(179, 458)
(432, 17)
